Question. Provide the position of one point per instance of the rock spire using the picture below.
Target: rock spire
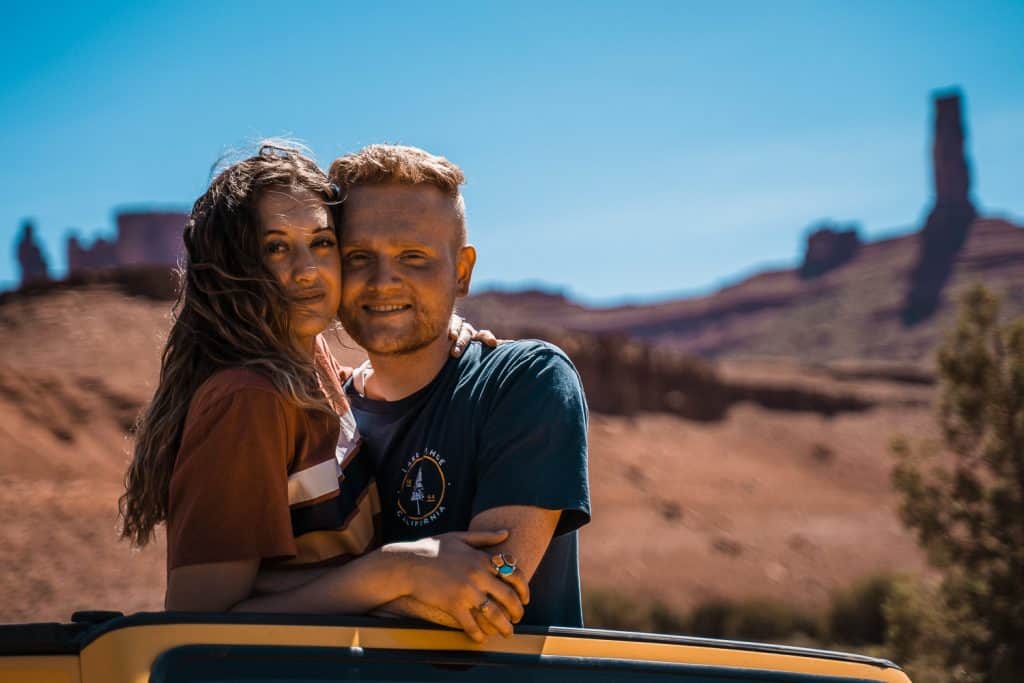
(951, 217)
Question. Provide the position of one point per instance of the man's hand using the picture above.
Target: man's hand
(450, 574)
(531, 532)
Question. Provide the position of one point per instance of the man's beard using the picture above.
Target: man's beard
(382, 340)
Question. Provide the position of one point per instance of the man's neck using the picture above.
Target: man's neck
(397, 376)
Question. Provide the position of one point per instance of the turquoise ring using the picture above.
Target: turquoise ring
(504, 565)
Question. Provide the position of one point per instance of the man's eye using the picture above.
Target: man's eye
(356, 257)
(414, 257)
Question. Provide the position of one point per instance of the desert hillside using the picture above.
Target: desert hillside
(779, 489)
(850, 311)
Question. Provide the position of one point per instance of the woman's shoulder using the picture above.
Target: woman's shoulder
(236, 382)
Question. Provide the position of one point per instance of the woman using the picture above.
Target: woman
(248, 434)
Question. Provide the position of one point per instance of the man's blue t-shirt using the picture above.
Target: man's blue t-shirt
(501, 426)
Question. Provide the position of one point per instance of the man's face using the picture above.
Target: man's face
(402, 267)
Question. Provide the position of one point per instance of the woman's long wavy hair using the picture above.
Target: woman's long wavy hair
(230, 312)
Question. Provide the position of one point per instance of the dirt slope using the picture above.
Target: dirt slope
(762, 502)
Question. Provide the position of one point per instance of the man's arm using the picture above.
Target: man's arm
(532, 462)
(530, 532)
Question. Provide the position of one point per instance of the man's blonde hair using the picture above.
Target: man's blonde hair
(383, 164)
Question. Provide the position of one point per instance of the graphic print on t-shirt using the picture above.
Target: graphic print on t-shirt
(422, 491)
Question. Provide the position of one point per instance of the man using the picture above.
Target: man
(495, 439)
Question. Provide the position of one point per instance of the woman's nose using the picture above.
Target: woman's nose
(304, 266)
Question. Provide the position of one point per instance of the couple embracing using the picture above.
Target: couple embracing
(443, 480)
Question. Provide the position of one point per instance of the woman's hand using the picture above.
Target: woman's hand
(450, 573)
(463, 332)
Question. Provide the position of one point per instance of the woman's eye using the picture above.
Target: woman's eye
(325, 242)
(274, 247)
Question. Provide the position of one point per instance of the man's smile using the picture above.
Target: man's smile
(385, 309)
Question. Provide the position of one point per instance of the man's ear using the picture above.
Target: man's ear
(464, 262)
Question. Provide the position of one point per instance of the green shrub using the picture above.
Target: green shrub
(752, 620)
(616, 610)
(856, 615)
(664, 619)
(711, 618)
(917, 632)
(768, 621)
(968, 510)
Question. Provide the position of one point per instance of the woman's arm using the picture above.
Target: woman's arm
(353, 588)
(447, 573)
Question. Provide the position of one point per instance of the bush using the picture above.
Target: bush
(968, 510)
(915, 621)
(856, 615)
(615, 610)
(711, 618)
(754, 620)
(770, 621)
(917, 633)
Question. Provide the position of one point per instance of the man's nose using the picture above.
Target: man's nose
(384, 274)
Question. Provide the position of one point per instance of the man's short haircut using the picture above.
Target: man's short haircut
(383, 164)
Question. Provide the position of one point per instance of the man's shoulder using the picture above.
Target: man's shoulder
(523, 351)
(523, 360)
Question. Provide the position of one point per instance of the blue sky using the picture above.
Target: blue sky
(614, 150)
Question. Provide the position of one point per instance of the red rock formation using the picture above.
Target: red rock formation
(829, 247)
(949, 221)
(144, 238)
(101, 254)
(30, 256)
(149, 238)
(952, 177)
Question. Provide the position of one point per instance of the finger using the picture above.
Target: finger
(503, 594)
(469, 625)
(455, 326)
(482, 539)
(466, 335)
(498, 621)
(520, 584)
(487, 337)
(484, 622)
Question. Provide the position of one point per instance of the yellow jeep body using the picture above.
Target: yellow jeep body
(172, 647)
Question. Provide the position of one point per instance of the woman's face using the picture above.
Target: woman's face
(300, 248)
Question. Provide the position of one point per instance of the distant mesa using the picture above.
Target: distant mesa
(828, 247)
(144, 238)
